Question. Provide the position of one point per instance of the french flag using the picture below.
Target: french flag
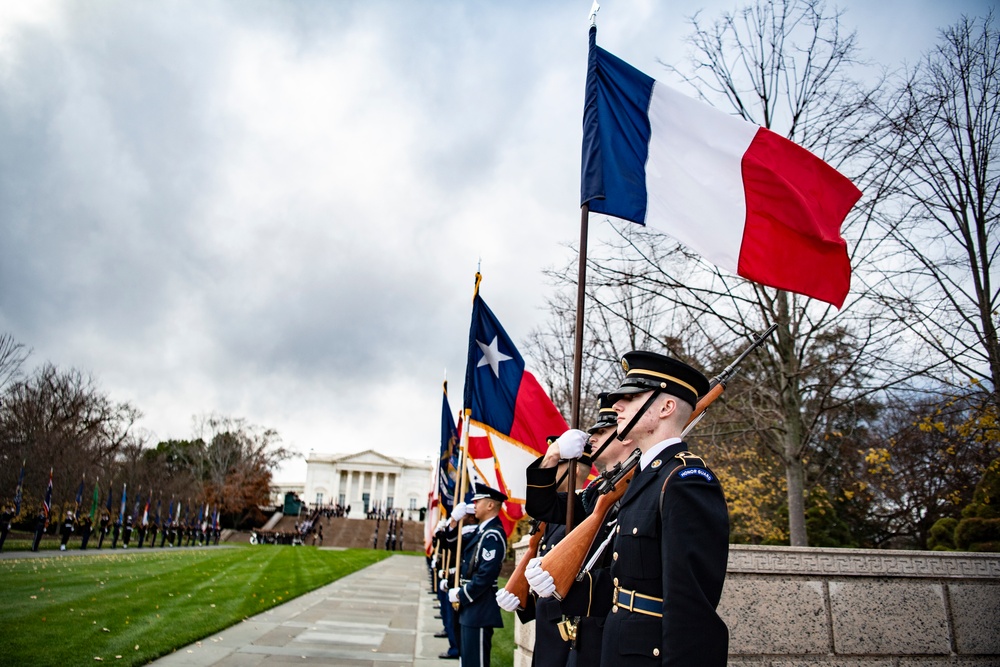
(509, 414)
(748, 200)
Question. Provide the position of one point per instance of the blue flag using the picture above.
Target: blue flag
(448, 463)
(121, 511)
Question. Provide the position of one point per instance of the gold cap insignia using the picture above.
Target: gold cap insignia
(625, 364)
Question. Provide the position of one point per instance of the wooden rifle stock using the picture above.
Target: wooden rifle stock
(517, 584)
(566, 558)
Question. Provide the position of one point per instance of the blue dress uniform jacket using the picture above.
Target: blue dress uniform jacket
(482, 558)
(669, 564)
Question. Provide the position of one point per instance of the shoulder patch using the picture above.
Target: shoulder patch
(489, 554)
(701, 472)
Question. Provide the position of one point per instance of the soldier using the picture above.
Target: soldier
(153, 529)
(482, 558)
(582, 612)
(103, 527)
(85, 529)
(127, 532)
(672, 539)
(5, 518)
(116, 531)
(66, 531)
(41, 522)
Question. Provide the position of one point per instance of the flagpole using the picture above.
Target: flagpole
(581, 296)
(463, 482)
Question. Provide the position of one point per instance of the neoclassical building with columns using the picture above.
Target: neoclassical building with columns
(367, 479)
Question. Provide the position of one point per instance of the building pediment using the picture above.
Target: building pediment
(367, 457)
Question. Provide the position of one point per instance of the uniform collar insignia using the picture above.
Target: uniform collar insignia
(656, 464)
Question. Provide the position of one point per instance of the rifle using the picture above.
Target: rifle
(517, 584)
(567, 558)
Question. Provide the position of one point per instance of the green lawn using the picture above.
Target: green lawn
(502, 654)
(130, 607)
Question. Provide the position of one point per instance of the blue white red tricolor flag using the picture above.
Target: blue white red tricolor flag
(509, 414)
(743, 197)
(19, 492)
(47, 502)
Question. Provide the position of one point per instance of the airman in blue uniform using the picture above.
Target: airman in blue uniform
(482, 557)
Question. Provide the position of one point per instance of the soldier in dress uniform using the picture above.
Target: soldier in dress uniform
(482, 557)
(6, 516)
(127, 532)
(66, 530)
(152, 530)
(104, 527)
(85, 528)
(672, 539)
(41, 523)
(579, 617)
(116, 531)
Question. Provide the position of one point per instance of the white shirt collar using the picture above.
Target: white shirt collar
(654, 451)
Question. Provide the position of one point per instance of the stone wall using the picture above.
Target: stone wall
(852, 608)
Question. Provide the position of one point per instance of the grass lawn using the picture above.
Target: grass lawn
(130, 607)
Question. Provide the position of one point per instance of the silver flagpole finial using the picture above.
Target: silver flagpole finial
(593, 13)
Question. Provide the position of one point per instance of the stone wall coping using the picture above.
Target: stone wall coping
(750, 559)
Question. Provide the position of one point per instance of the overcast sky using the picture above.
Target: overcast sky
(275, 210)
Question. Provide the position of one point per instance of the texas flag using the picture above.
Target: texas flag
(748, 200)
(509, 414)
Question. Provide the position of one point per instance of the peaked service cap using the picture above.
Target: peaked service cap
(649, 371)
(482, 491)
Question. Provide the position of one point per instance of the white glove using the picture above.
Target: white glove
(434, 562)
(571, 443)
(459, 512)
(540, 581)
(442, 524)
(443, 585)
(453, 595)
(507, 600)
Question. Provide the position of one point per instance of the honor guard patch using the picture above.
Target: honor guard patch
(656, 464)
(687, 472)
(489, 554)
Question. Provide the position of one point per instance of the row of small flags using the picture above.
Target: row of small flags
(207, 517)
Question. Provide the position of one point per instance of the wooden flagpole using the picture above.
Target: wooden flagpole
(581, 296)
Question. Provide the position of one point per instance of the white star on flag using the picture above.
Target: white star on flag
(492, 356)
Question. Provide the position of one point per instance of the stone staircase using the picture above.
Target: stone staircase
(357, 533)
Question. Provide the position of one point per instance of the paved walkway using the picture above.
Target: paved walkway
(380, 616)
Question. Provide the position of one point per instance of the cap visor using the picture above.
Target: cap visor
(626, 391)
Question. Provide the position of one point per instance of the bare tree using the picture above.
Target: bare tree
(787, 66)
(12, 358)
(236, 462)
(942, 140)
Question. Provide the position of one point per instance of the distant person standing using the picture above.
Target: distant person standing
(127, 533)
(66, 531)
(103, 528)
(41, 521)
(85, 529)
(5, 518)
(482, 558)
